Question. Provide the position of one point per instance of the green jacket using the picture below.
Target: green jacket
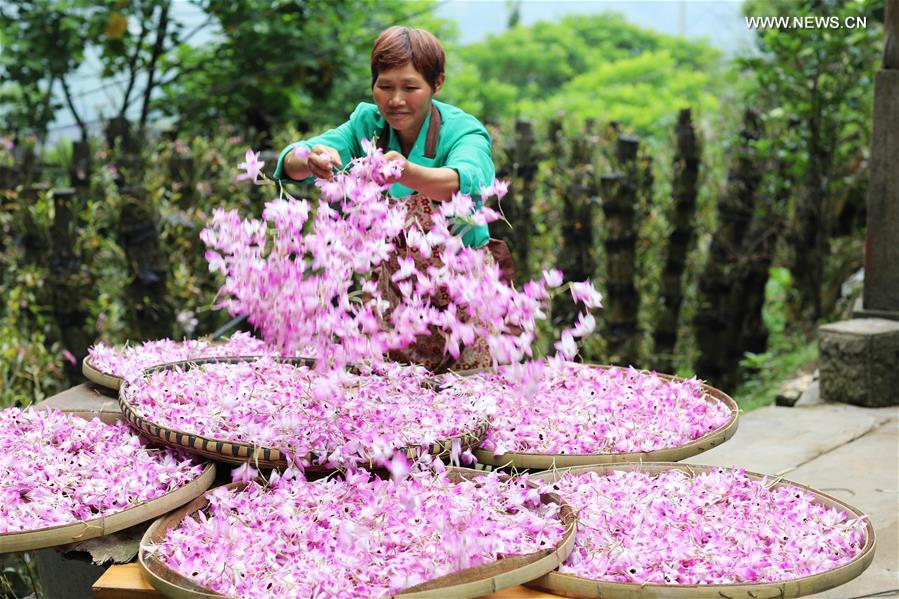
(463, 145)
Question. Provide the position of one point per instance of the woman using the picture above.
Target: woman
(443, 151)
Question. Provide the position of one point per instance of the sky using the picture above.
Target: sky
(718, 21)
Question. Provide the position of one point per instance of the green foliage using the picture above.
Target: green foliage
(19, 576)
(185, 181)
(29, 360)
(46, 42)
(268, 64)
(597, 66)
(642, 92)
(789, 349)
(42, 42)
(815, 86)
(305, 63)
(818, 79)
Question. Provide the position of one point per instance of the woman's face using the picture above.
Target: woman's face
(404, 97)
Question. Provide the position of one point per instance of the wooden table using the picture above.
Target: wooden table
(128, 581)
(86, 397)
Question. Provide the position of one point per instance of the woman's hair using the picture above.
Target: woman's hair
(398, 45)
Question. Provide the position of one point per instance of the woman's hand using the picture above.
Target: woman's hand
(301, 164)
(321, 160)
(437, 183)
(394, 156)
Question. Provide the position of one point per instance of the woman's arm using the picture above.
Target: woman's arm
(471, 159)
(344, 141)
(319, 162)
(436, 183)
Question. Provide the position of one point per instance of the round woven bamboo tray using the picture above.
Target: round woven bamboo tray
(574, 586)
(234, 452)
(99, 377)
(104, 379)
(547, 461)
(76, 532)
(472, 582)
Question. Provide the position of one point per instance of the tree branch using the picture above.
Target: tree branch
(197, 29)
(71, 105)
(197, 67)
(183, 71)
(158, 48)
(46, 109)
(132, 68)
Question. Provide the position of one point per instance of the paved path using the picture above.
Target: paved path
(848, 452)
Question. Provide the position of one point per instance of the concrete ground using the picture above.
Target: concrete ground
(848, 452)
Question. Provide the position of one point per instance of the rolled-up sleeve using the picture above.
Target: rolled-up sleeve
(471, 158)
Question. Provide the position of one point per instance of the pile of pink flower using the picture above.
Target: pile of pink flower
(566, 407)
(128, 362)
(59, 469)
(720, 527)
(359, 537)
(303, 274)
(350, 416)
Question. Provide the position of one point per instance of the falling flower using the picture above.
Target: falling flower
(252, 166)
(585, 292)
(553, 277)
(243, 473)
(188, 321)
(566, 345)
(398, 466)
(497, 188)
(296, 273)
(586, 323)
(70, 357)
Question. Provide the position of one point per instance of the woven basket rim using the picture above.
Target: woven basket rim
(95, 375)
(29, 540)
(166, 522)
(861, 560)
(710, 394)
(114, 382)
(129, 409)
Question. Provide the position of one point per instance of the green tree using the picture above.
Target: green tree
(42, 46)
(268, 64)
(819, 83)
(539, 70)
(642, 92)
(46, 41)
(300, 63)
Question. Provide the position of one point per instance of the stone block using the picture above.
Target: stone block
(859, 361)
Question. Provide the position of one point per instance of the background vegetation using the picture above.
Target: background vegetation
(119, 257)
